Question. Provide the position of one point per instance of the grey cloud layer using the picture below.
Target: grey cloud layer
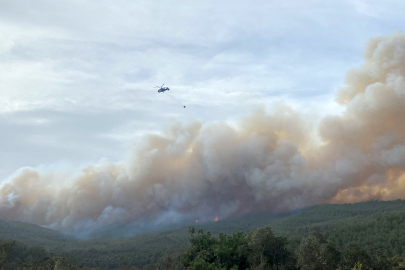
(82, 56)
(95, 59)
(268, 162)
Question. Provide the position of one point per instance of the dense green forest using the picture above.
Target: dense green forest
(261, 250)
(377, 227)
(17, 256)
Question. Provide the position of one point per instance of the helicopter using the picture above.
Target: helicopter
(162, 89)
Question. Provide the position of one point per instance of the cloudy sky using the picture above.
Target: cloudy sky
(77, 77)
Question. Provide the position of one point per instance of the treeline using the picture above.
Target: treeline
(18, 256)
(371, 225)
(34, 235)
(374, 226)
(136, 251)
(378, 226)
(261, 250)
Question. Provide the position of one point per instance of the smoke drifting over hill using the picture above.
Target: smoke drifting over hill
(268, 162)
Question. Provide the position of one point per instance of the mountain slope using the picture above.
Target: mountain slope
(374, 225)
(33, 235)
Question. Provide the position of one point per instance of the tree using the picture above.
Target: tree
(353, 254)
(267, 250)
(379, 259)
(357, 266)
(6, 250)
(224, 252)
(201, 248)
(170, 263)
(315, 253)
(232, 251)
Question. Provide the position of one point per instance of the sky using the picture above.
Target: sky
(77, 77)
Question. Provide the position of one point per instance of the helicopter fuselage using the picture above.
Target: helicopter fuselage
(161, 90)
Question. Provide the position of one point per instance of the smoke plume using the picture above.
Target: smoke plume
(267, 163)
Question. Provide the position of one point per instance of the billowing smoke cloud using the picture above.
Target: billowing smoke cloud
(268, 162)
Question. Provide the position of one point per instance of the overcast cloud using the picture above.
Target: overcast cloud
(76, 77)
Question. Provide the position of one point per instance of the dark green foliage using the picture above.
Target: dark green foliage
(315, 253)
(131, 268)
(170, 263)
(135, 251)
(398, 262)
(267, 250)
(33, 235)
(224, 252)
(260, 249)
(232, 251)
(377, 227)
(352, 254)
(15, 255)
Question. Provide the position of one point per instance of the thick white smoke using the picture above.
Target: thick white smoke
(268, 162)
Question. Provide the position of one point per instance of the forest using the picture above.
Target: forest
(261, 249)
(367, 235)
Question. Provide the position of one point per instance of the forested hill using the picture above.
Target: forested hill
(32, 235)
(373, 225)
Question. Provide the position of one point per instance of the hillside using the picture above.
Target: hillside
(33, 235)
(18, 256)
(374, 225)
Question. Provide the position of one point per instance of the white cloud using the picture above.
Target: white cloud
(95, 63)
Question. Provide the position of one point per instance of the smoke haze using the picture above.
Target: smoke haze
(268, 162)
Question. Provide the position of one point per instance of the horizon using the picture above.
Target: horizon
(116, 232)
